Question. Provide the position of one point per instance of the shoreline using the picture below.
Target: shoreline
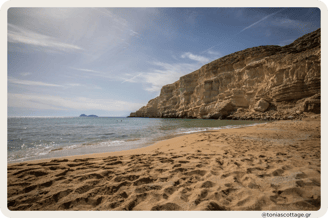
(143, 145)
(262, 167)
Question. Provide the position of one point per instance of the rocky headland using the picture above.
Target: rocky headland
(265, 82)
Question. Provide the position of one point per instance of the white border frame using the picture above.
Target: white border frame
(148, 3)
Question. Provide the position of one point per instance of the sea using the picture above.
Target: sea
(33, 138)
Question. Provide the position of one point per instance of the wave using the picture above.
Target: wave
(194, 130)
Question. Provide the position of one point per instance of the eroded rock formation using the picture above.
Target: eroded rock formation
(262, 82)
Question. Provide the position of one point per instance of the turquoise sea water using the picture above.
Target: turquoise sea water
(31, 138)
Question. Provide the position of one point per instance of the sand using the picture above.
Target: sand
(273, 166)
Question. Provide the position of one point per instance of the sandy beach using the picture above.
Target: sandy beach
(272, 166)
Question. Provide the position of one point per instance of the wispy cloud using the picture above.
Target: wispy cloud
(108, 76)
(285, 22)
(31, 101)
(89, 71)
(209, 49)
(121, 21)
(60, 103)
(291, 24)
(19, 35)
(134, 33)
(216, 53)
(132, 79)
(85, 86)
(39, 83)
(259, 21)
(94, 73)
(31, 83)
(161, 74)
(194, 57)
(25, 74)
(74, 84)
(165, 73)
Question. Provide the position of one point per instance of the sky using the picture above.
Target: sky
(112, 61)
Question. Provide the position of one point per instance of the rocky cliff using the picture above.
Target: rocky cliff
(265, 82)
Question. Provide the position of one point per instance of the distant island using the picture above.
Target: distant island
(83, 115)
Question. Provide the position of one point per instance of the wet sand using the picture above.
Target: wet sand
(273, 166)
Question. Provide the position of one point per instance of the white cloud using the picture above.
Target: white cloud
(93, 31)
(59, 103)
(27, 101)
(134, 33)
(74, 84)
(85, 86)
(25, 74)
(39, 83)
(94, 72)
(132, 79)
(86, 70)
(216, 53)
(18, 35)
(155, 79)
(161, 74)
(31, 83)
(198, 58)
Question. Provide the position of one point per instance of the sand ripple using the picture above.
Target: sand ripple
(255, 168)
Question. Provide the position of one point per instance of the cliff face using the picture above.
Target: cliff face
(266, 81)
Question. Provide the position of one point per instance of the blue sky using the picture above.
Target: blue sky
(112, 61)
